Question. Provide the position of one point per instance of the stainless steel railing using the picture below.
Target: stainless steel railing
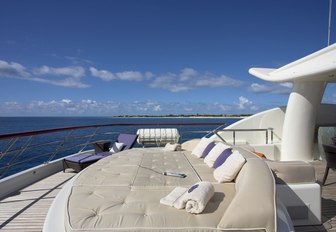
(266, 130)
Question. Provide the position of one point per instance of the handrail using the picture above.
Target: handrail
(245, 130)
(37, 132)
(37, 144)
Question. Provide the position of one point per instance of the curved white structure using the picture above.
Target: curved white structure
(309, 76)
(300, 119)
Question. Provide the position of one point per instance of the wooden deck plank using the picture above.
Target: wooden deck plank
(26, 210)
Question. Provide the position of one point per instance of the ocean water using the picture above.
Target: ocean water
(36, 154)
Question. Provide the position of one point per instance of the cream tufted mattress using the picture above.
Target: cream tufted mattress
(122, 193)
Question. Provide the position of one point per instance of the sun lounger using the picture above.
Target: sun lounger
(79, 162)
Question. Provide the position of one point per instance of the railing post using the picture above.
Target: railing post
(234, 137)
(266, 136)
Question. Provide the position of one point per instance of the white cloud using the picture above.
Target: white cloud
(66, 101)
(170, 82)
(73, 74)
(276, 88)
(148, 75)
(67, 82)
(187, 74)
(189, 78)
(213, 81)
(130, 76)
(102, 74)
(124, 76)
(13, 70)
(244, 103)
(89, 107)
(72, 71)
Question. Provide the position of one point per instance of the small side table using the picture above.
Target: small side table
(101, 146)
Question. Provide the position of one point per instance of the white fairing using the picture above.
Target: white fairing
(319, 66)
(300, 120)
(309, 76)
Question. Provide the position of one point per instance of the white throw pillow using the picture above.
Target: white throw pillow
(229, 169)
(117, 147)
(200, 147)
(214, 153)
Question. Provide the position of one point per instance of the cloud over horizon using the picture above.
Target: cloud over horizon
(89, 107)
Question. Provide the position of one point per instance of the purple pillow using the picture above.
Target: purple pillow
(222, 157)
(208, 149)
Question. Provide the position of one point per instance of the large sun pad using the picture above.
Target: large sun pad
(123, 192)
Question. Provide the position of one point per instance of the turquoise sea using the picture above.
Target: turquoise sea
(35, 156)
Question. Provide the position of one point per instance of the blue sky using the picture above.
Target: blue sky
(102, 58)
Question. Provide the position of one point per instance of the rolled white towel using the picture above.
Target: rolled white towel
(196, 198)
(173, 196)
(172, 147)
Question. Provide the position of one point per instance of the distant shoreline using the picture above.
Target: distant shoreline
(242, 116)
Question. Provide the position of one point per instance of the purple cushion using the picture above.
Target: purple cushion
(208, 149)
(128, 140)
(222, 157)
(85, 158)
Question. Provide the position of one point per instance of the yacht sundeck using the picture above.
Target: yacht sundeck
(122, 192)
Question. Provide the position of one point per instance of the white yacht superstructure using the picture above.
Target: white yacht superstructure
(294, 127)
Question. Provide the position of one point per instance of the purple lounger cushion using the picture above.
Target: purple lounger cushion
(85, 158)
(81, 161)
(128, 140)
(222, 157)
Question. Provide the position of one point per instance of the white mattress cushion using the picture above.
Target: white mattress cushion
(126, 209)
(122, 193)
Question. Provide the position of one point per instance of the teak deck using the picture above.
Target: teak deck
(26, 210)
